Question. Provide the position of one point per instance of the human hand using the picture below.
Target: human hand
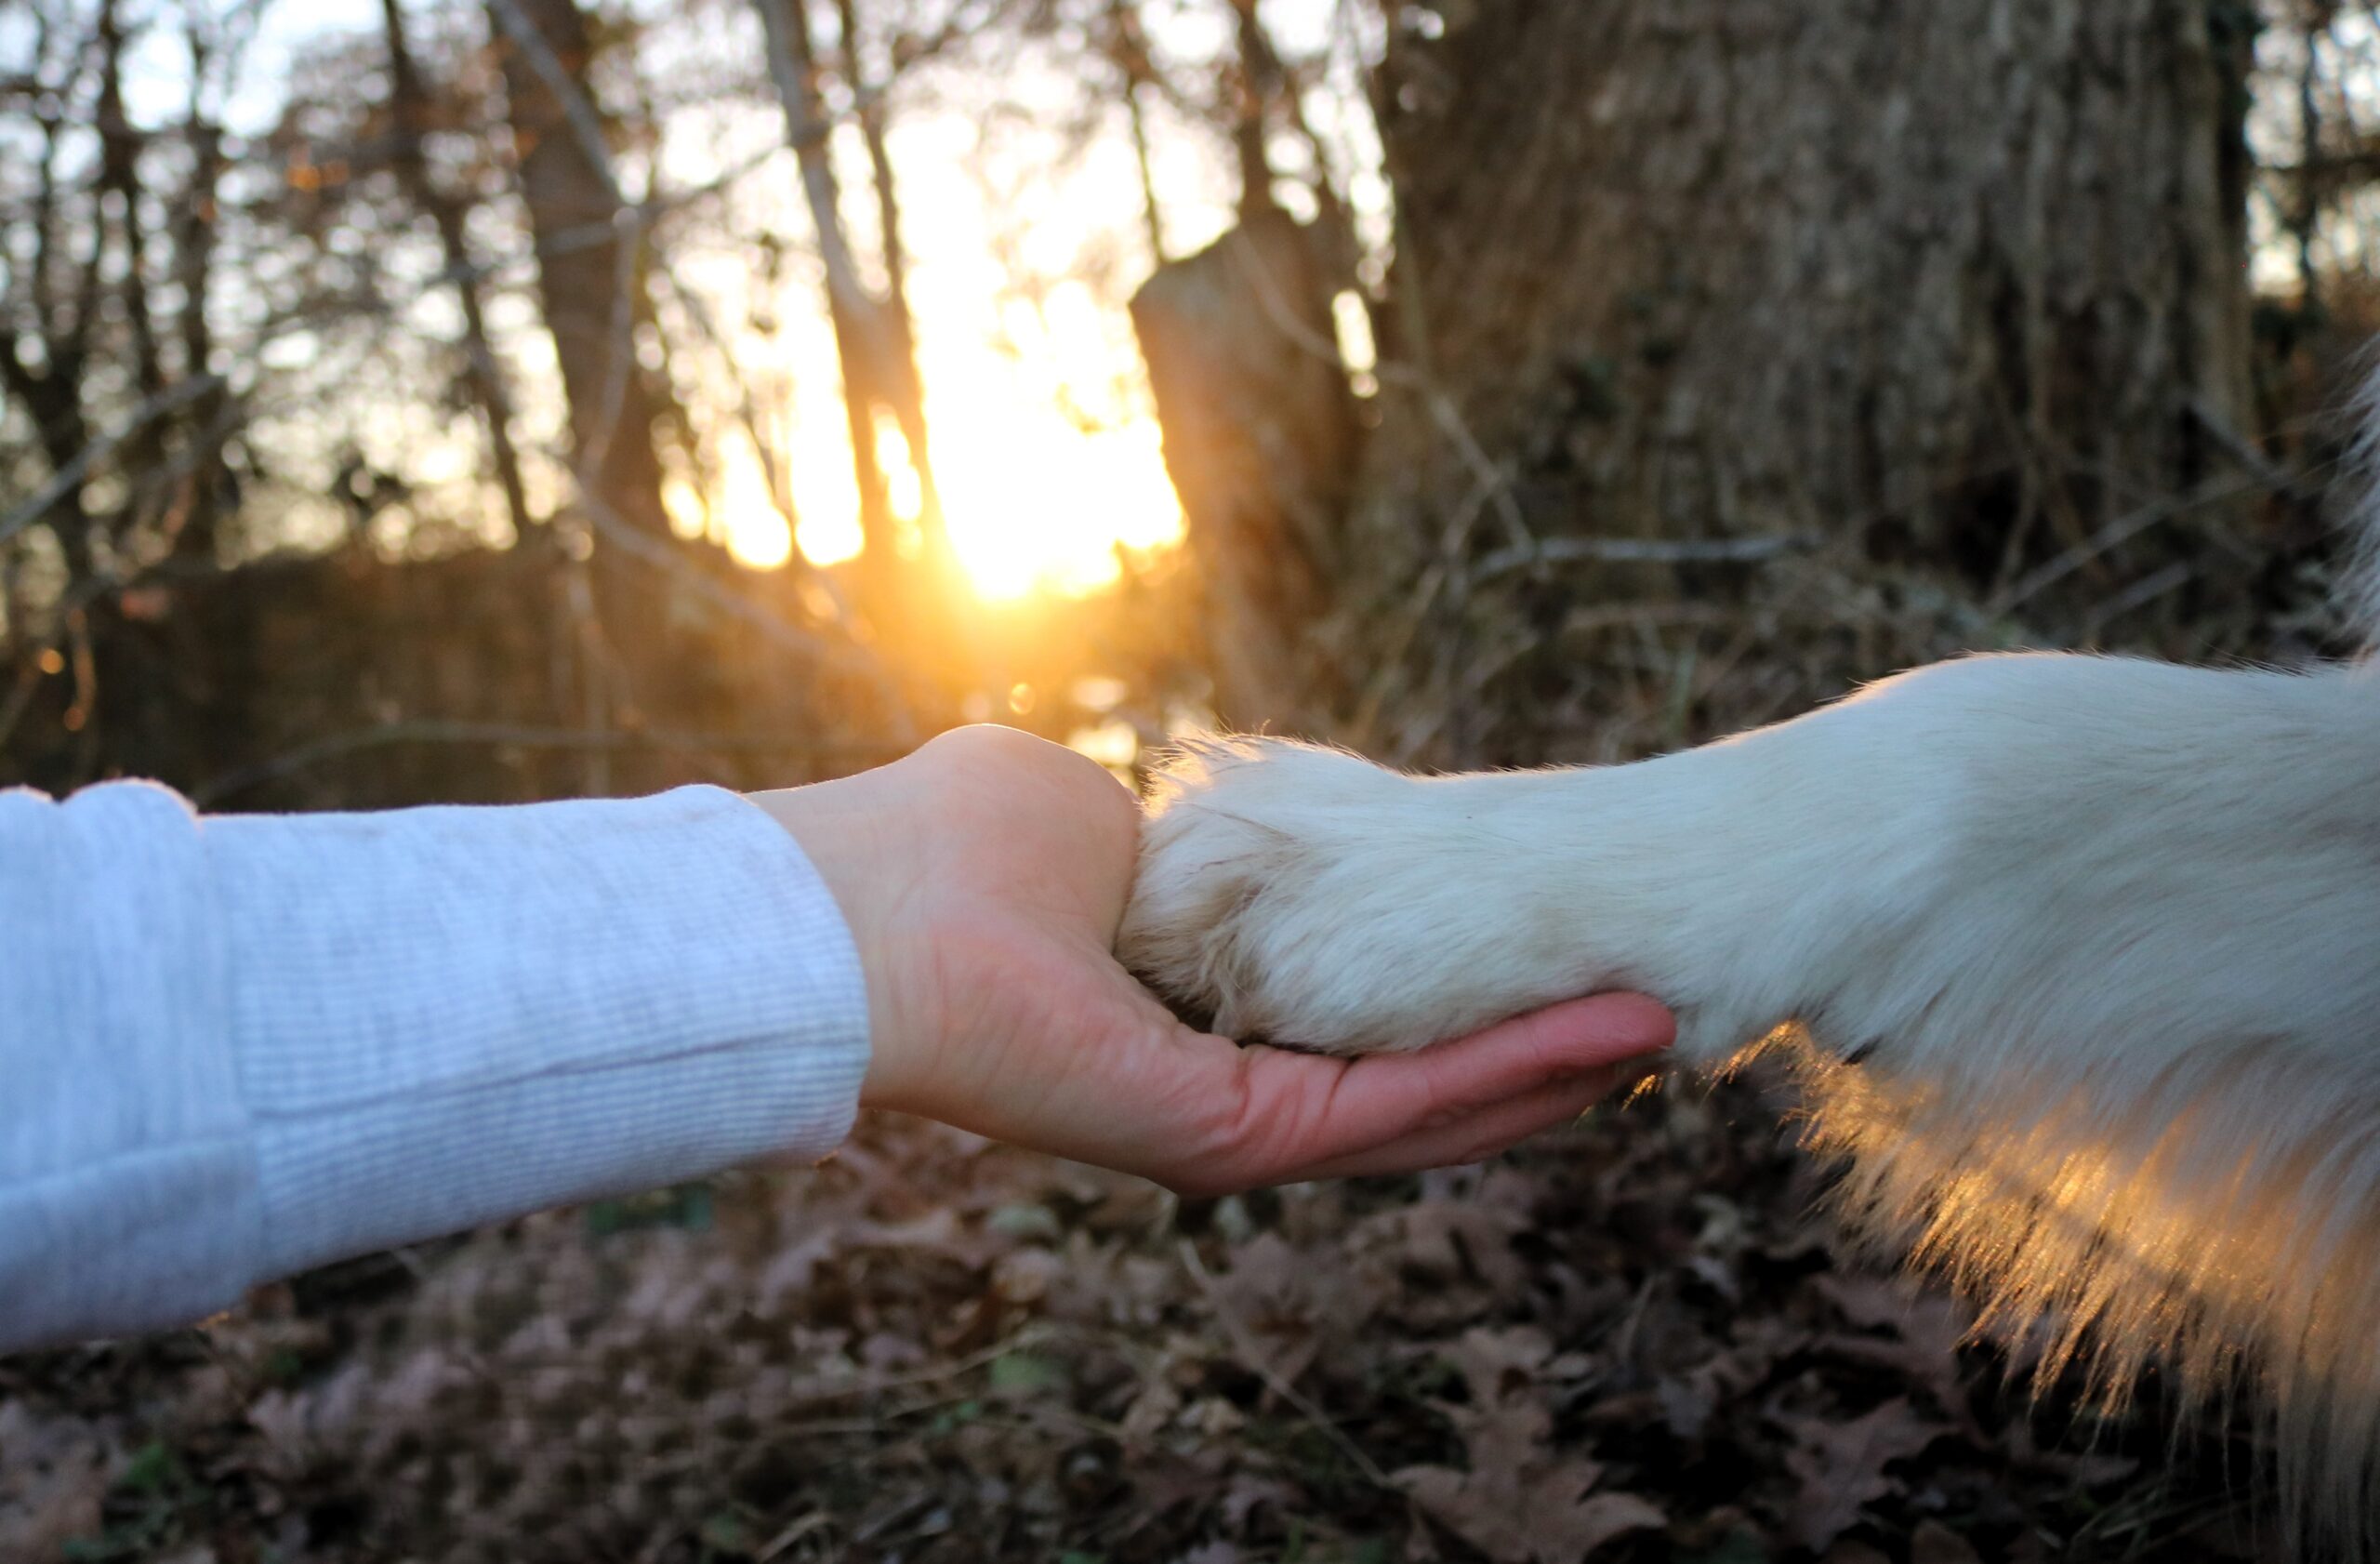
(983, 876)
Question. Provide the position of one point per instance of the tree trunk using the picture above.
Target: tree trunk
(1259, 439)
(411, 116)
(592, 292)
(1949, 292)
(857, 316)
(1122, 40)
(210, 492)
(51, 333)
(911, 597)
(1256, 73)
(625, 640)
(900, 386)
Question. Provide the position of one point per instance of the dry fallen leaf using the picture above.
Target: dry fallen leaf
(1936, 1543)
(1525, 1497)
(1847, 1552)
(1544, 1518)
(1841, 1465)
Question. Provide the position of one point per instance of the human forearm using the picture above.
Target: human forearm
(239, 1046)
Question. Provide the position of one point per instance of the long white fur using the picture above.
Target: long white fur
(2079, 958)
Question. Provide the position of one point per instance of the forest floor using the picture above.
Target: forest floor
(1629, 1341)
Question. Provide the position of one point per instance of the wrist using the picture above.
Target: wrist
(848, 830)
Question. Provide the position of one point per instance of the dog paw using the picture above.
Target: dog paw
(1308, 898)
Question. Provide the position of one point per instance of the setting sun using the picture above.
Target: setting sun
(1034, 503)
(1033, 500)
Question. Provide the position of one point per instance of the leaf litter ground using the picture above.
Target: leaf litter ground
(1628, 1342)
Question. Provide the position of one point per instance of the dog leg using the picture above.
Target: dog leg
(2074, 855)
(2103, 936)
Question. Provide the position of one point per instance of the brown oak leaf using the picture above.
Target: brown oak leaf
(1841, 1465)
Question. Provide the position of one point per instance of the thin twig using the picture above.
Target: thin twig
(1256, 1361)
(584, 124)
(1645, 550)
(1492, 483)
(2244, 451)
(619, 532)
(64, 480)
(2123, 529)
(628, 234)
(773, 471)
(806, 129)
(2149, 588)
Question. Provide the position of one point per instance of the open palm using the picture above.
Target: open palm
(984, 878)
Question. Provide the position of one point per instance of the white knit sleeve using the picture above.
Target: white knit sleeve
(234, 1047)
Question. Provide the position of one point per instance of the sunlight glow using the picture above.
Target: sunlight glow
(905, 487)
(1033, 500)
(755, 530)
(1046, 457)
(1115, 744)
(830, 538)
(689, 516)
(1033, 503)
(1353, 323)
(739, 510)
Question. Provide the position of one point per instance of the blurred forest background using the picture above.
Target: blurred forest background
(490, 400)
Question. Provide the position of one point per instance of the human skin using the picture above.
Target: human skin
(983, 876)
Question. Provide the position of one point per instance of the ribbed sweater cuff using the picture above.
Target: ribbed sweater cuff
(478, 1012)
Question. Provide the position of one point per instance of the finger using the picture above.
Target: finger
(1511, 1057)
(1488, 1133)
(1286, 1112)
